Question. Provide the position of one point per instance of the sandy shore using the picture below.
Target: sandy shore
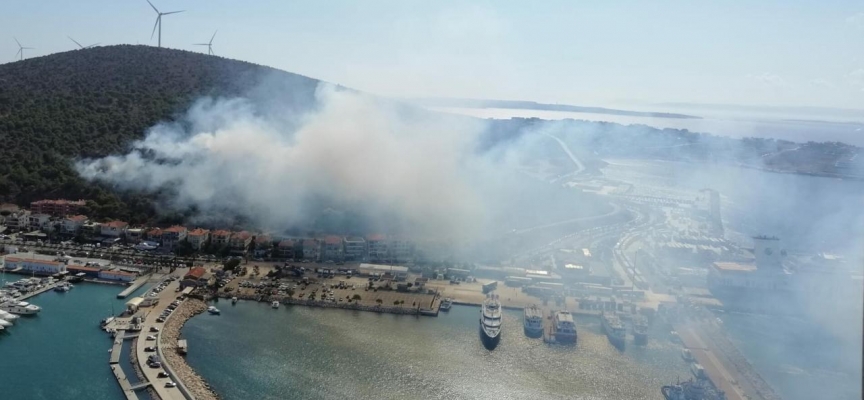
(196, 385)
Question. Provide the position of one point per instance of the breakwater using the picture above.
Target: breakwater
(176, 364)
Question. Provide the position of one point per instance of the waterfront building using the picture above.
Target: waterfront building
(400, 250)
(766, 273)
(220, 238)
(114, 229)
(197, 238)
(134, 235)
(133, 304)
(38, 222)
(331, 249)
(153, 235)
(263, 246)
(197, 276)
(36, 266)
(116, 275)
(56, 207)
(286, 248)
(376, 246)
(173, 235)
(73, 223)
(240, 242)
(90, 272)
(381, 269)
(310, 249)
(355, 247)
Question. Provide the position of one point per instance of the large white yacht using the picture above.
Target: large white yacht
(490, 322)
(20, 307)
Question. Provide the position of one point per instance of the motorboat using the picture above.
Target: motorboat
(213, 310)
(446, 304)
(274, 304)
(20, 308)
(7, 316)
(234, 300)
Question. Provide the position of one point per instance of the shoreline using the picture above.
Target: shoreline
(176, 364)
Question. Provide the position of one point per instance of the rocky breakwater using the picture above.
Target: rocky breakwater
(195, 384)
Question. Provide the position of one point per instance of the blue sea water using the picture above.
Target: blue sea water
(61, 353)
(252, 351)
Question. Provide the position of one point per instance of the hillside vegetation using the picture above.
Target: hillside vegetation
(94, 102)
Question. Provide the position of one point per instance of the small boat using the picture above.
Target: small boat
(105, 321)
(275, 304)
(446, 304)
(234, 300)
(213, 310)
(686, 355)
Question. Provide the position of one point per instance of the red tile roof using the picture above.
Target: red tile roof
(221, 232)
(375, 237)
(310, 243)
(116, 224)
(175, 229)
(242, 235)
(333, 240)
(198, 232)
(262, 239)
(154, 232)
(77, 218)
(195, 273)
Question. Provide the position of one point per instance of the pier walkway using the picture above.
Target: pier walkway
(134, 286)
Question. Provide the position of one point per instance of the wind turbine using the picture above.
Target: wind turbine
(21, 48)
(209, 44)
(79, 44)
(159, 21)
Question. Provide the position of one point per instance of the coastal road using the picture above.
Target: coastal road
(579, 166)
(165, 298)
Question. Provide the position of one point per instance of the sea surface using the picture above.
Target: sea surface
(252, 351)
(61, 353)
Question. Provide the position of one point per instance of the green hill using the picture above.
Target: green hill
(94, 102)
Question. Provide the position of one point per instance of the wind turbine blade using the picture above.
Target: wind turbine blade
(201, 44)
(76, 42)
(214, 35)
(154, 26)
(173, 12)
(92, 45)
(19, 51)
(154, 7)
(16, 41)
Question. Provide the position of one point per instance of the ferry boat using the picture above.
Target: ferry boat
(213, 310)
(640, 329)
(490, 322)
(565, 328)
(274, 304)
(613, 328)
(20, 307)
(532, 321)
(446, 304)
(699, 389)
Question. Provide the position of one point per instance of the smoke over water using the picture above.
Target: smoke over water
(227, 157)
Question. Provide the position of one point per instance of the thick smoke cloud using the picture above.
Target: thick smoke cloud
(228, 157)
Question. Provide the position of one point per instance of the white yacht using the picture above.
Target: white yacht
(490, 322)
(234, 300)
(446, 304)
(213, 310)
(20, 307)
(4, 323)
(6, 316)
(275, 304)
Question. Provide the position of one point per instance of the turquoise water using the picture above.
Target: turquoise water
(61, 353)
(252, 351)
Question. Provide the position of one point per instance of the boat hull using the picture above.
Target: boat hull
(533, 332)
(489, 341)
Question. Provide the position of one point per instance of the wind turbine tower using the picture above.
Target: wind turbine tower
(209, 45)
(159, 21)
(21, 48)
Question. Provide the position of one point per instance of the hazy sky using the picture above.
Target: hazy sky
(765, 52)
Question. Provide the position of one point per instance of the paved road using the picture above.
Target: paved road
(579, 166)
(165, 298)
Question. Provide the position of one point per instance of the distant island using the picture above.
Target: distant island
(532, 105)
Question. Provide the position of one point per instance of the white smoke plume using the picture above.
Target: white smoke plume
(226, 156)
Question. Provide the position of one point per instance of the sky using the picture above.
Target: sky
(606, 53)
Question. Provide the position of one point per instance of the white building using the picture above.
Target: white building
(114, 228)
(72, 224)
(40, 267)
(355, 248)
(38, 221)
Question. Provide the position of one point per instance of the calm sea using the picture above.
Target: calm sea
(61, 353)
(252, 351)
